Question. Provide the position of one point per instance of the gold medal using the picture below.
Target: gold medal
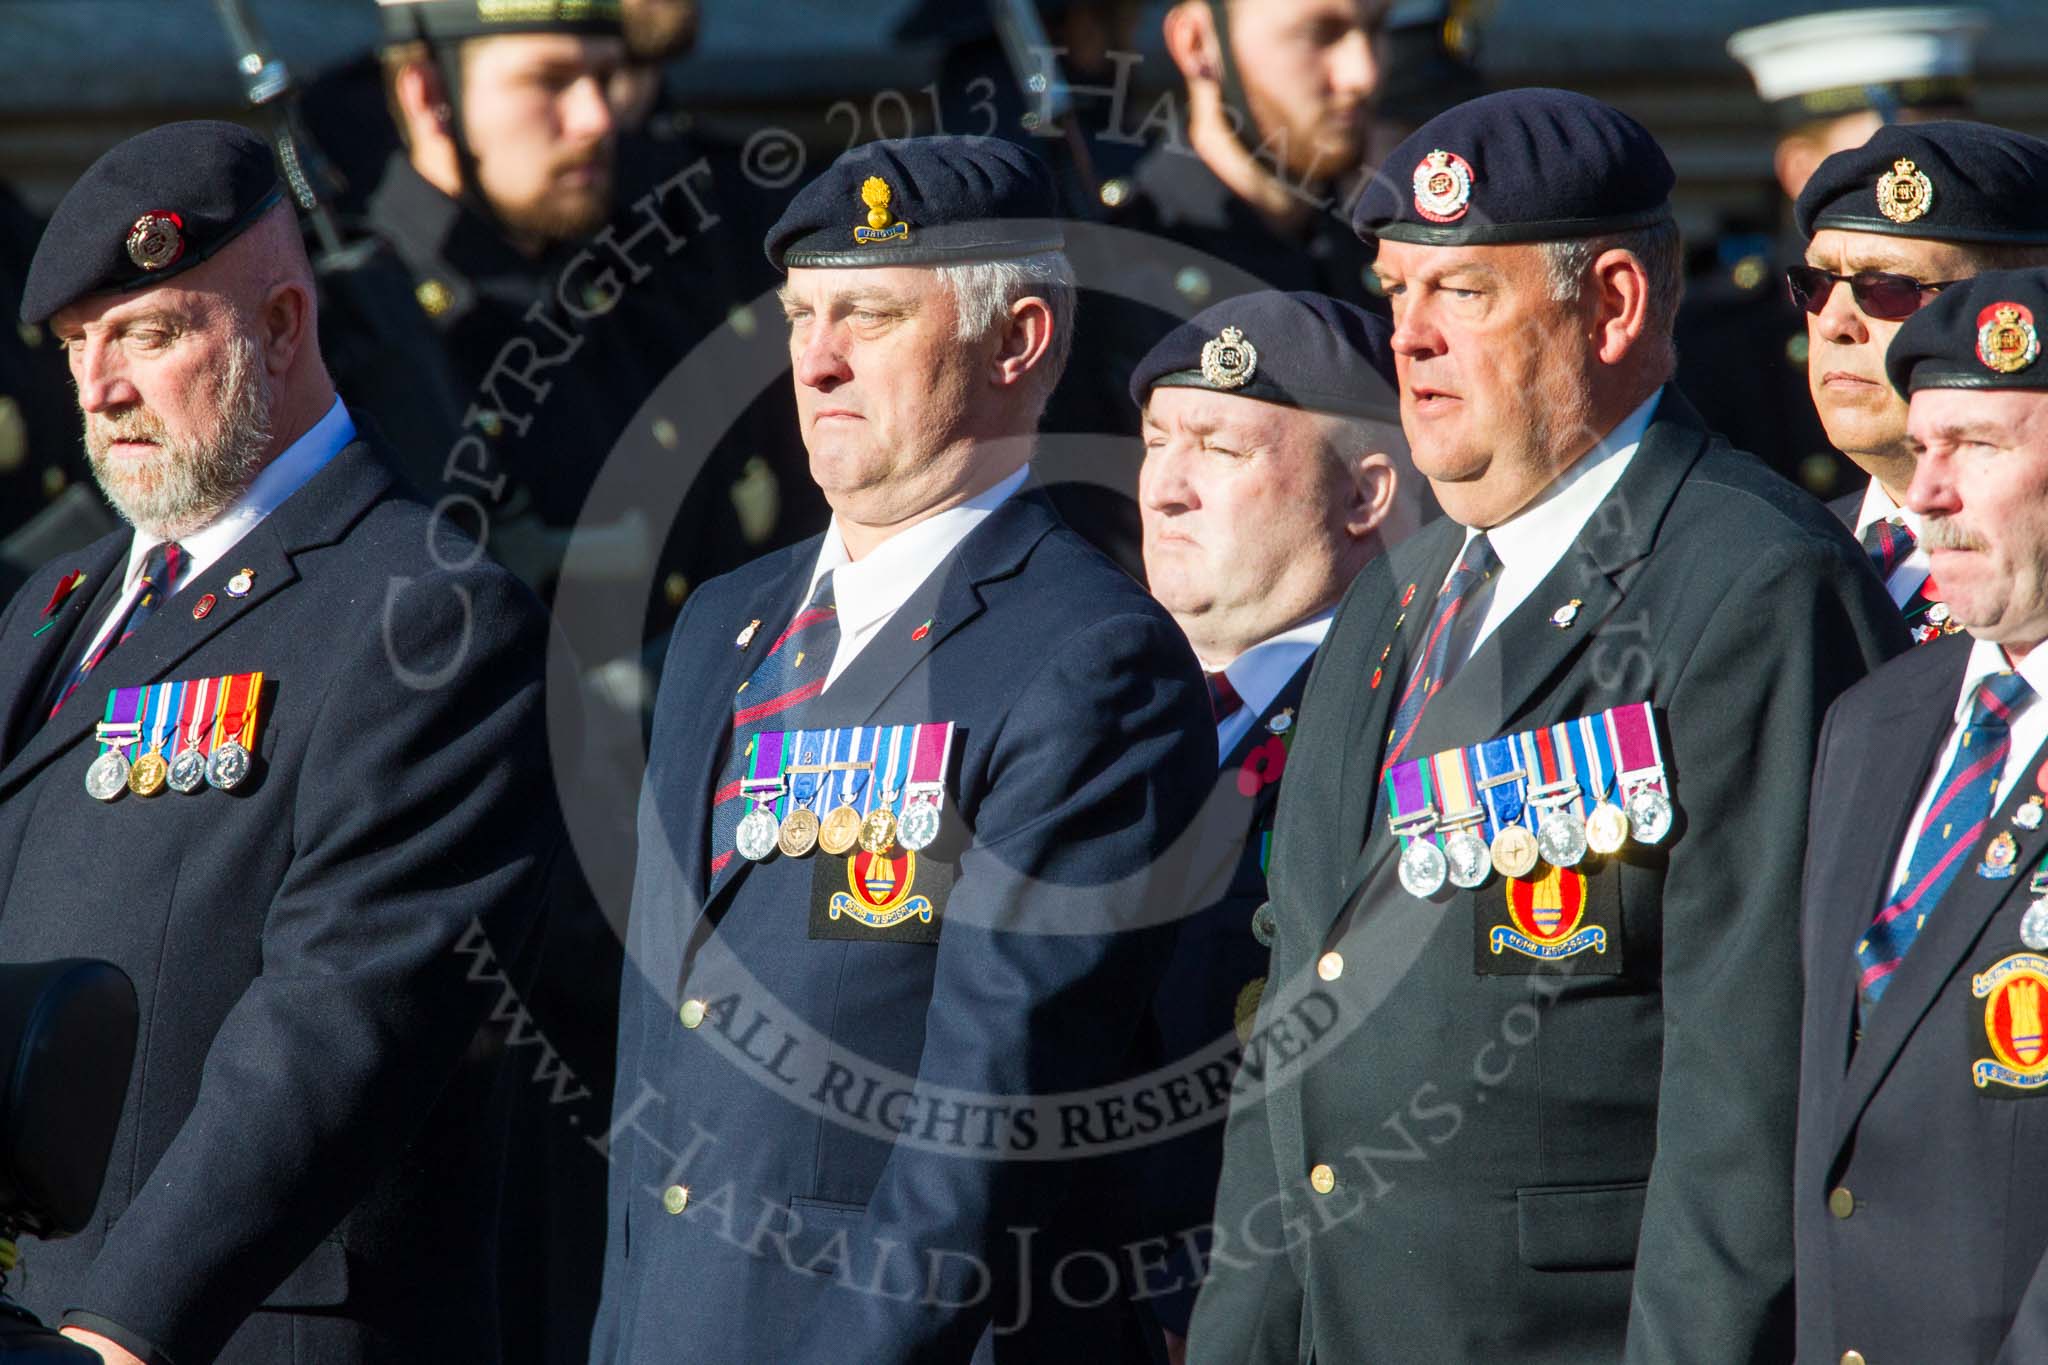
(1607, 829)
(149, 774)
(878, 831)
(1514, 851)
(841, 831)
(799, 833)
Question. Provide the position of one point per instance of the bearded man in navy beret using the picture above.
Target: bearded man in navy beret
(1539, 843)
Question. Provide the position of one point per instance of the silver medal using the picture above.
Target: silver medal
(1264, 926)
(919, 826)
(2028, 816)
(1423, 868)
(188, 772)
(1649, 815)
(107, 778)
(227, 768)
(759, 829)
(1561, 837)
(2034, 926)
(1469, 858)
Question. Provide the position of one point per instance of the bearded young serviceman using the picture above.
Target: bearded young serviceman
(1543, 817)
(276, 750)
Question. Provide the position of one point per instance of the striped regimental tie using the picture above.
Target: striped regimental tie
(159, 580)
(1477, 564)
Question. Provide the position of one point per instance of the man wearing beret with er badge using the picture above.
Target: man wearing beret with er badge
(908, 785)
(1541, 829)
(1274, 470)
(1922, 1223)
(278, 753)
(1911, 212)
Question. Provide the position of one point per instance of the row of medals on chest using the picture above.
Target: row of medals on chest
(113, 773)
(1562, 837)
(842, 829)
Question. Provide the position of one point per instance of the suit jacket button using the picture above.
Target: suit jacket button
(675, 1199)
(1841, 1203)
(692, 1013)
(1322, 1179)
(1852, 1358)
(1330, 966)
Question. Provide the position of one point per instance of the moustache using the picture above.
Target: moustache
(1942, 533)
(136, 424)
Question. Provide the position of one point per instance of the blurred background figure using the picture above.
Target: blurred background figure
(1831, 79)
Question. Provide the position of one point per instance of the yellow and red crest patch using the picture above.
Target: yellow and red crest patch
(1545, 914)
(2015, 996)
(878, 893)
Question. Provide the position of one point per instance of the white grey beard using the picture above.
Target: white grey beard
(185, 485)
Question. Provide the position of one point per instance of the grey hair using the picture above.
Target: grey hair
(984, 291)
(1660, 250)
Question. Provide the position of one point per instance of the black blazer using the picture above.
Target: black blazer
(298, 1174)
(1085, 748)
(1921, 1216)
(1551, 1163)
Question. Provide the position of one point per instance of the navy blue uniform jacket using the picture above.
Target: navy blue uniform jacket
(853, 1192)
(298, 1174)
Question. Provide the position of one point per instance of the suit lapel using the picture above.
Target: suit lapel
(37, 645)
(1914, 740)
(317, 514)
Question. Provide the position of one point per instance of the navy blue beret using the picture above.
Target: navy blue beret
(1980, 334)
(921, 201)
(1948, 182)
(1528, 165)
(1303, 350)
(453, 20)
(153, 207)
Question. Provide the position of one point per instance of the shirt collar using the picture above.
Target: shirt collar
(1878, 506)
(275, 482)
(1533, 534)
(1987, 659)
(868, 590)
(1258, 674)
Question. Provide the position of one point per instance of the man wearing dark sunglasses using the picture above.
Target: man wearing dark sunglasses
(1889, 225)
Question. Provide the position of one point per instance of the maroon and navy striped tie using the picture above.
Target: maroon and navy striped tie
(1887, 543)
(1223, 699)
(159, 581)
(1955, 822)
(1477, 564)
(773, 698)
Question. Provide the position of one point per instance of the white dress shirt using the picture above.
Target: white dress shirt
(2029, 728)
(1915, 567)
(867, 592)
(1532, 541)
(204, 548)
(1258, 674)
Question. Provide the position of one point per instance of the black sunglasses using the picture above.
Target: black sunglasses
(1889, 298)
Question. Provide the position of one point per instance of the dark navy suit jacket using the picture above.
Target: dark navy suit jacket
(301, 1172)
(867, 1180)
(1934, 1247)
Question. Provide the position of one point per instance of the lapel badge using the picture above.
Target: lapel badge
(2034, 924)
(2006, 339)
(66, 585)
(157, 240)
(1377, 674)
(1563, 617)
(203, 608)
(921, 632)
(1999, 857)
(2028, 817)
(1280, 722)
(1443, 186)
(882, 225)
(241, 583)
(1904, 193)
(746, 637)
(2012, 991)
(1408, 596)
(1229, 361)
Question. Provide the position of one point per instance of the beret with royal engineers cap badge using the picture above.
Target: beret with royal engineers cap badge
(921, 201)
(1530, 165)
(1943, 181)
(1979, 334)
(1300, 350)
(150, 209)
